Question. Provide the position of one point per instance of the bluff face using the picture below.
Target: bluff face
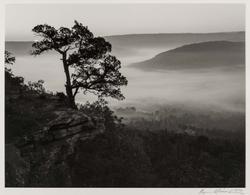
(40, 158)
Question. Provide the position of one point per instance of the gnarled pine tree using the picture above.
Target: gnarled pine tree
(94, 69)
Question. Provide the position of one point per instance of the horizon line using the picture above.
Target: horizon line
(132, 34)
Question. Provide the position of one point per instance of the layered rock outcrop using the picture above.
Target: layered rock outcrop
(45, 152)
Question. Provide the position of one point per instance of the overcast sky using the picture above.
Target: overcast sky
(113, 19)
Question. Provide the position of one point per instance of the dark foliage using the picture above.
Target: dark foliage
(111, 160)
(181, 160)
(25, 110)
(9, 59)
(131, 158)
(100, 109)
(36, 86)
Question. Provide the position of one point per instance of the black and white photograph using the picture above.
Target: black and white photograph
(125, 95)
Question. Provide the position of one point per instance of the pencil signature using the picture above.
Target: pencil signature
(222, 191)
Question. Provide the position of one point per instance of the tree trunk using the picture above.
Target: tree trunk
(68, 86)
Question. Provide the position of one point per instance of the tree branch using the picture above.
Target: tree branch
(76, 91)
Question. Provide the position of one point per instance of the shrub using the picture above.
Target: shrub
(100, 109)
(36, 86)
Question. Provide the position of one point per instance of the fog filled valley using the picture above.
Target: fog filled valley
(182, 123)
(206, 77)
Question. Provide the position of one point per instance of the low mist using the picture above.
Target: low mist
(220, 88)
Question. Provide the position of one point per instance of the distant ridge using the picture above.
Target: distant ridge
(154, 34)
(198, 55)
(130, 43)
(169, 39)
(162, 34)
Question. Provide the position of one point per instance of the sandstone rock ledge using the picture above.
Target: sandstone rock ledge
(45, 152)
